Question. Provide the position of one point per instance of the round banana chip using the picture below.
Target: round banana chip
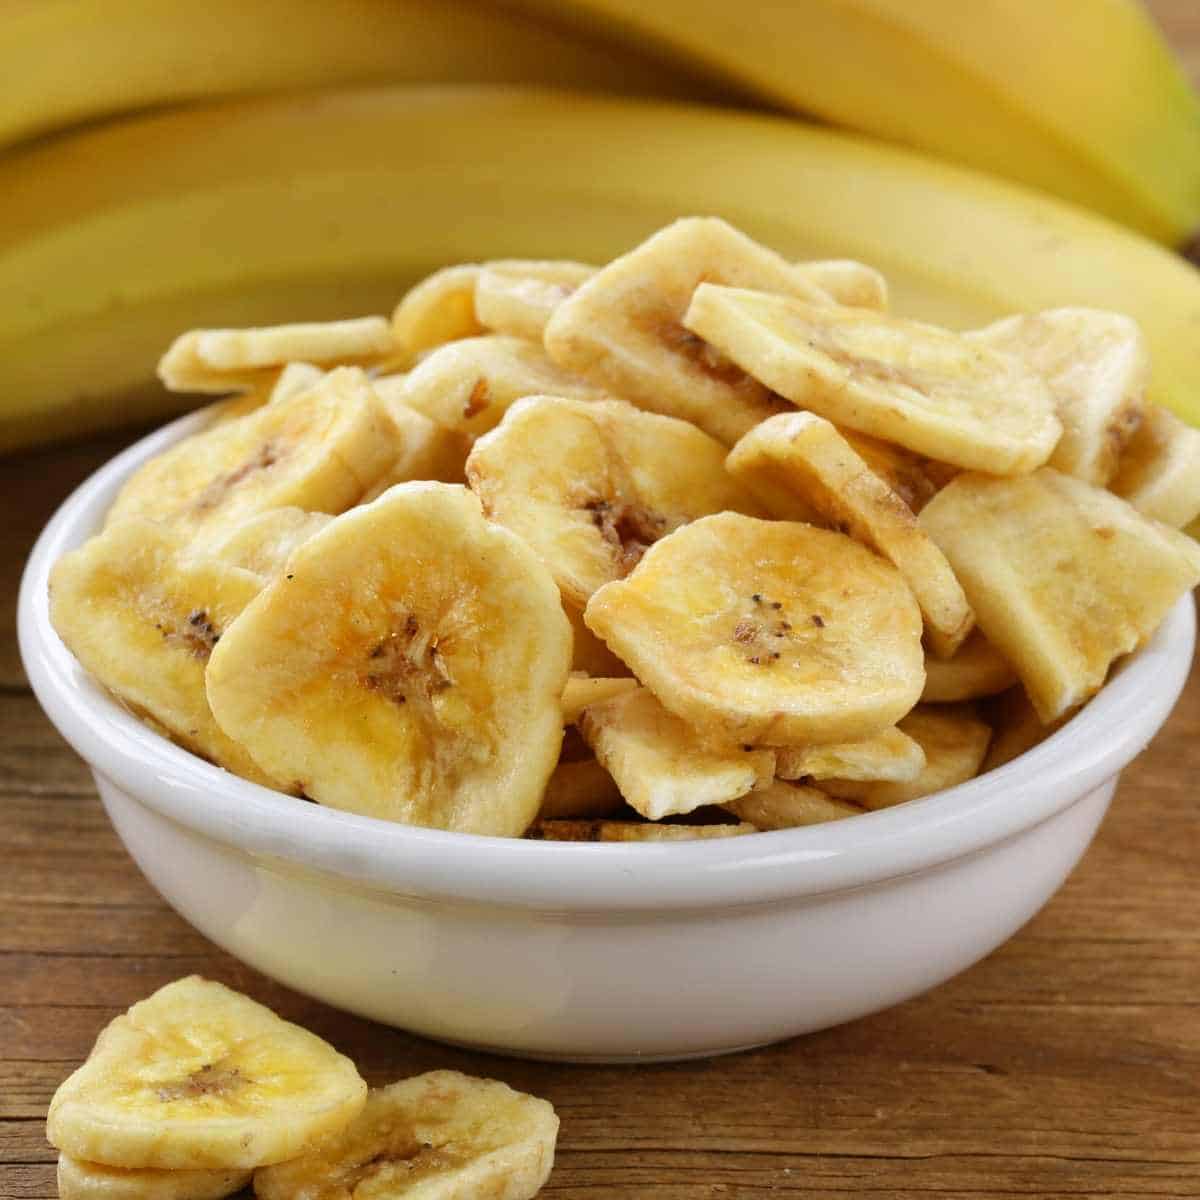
(263, 543)
(590, 485)
(198, 1077)
(438, 1136)
(891, 754)
(789, 805)
(977, 669)
(767, 631)
(79, 1180)
(520, 297)
(583, 690)
(409, 665)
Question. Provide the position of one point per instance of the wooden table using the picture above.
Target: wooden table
(1067, 1064)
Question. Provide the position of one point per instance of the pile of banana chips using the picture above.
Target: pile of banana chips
(695, 544)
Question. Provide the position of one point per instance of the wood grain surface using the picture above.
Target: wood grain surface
(1067, 1064)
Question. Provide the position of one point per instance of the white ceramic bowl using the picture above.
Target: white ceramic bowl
(594, 952)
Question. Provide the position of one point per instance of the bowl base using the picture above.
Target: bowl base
(598, 1060)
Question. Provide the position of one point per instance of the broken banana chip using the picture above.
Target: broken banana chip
(1159, 472)
(1096, 365)
(590, 485)
(661, 766)
(1063, 576)
(767, 631)
(1016, 728)
(409, 665)
(788, 806)
(263, 543)
(198, 1077)
(578, 790)
(235, 360)
(890, 755)
(977, 669)
(924, 388)
(79, 1180)
(806, 454)
(519, 298)
(847, 282)
(632, 831)
(589, 654)
(438, 1136)
(623, 327)
(584, 690)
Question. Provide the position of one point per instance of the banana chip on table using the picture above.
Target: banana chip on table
(890, 755)
(767, 631)
(590, 485)
(584, 690)
(807, 455)
(977, 669)
(788, 806)
(1096, 365)
(319, 450)
(438, 1136)
(1064, 577)
(233, 360)
(263, 543)
(661, 766)
(623, 327)
(632, 831)
(1159, 471)
(847, 282)
(520, 297)
(197, 1076)
(409, 665)
(924, 388)
(80, 1180)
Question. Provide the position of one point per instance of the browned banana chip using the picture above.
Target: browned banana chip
(520, 297)
(977, 669)
(590, 485)
(1016, 728)
(1159, 472)
(788, 806)
(623, 327)
(1063, 576)
(631, 831)
(806, 454)
(580, 790)
(767, 631)
(890, 755)
(927, 389)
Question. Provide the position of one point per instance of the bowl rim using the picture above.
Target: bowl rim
(463, 868)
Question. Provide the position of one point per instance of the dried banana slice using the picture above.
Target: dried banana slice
(632, 831)
(1096, 364)
(1159, 472)
(1016, 728)
(520, 297)
(954, 743)
(79, 1180)
(295, 378)
(924, 388)
(197, 1076)
(583, 690)
(409, 665)
(263, 543)
(977, 669)
(789, 805)
(806, 454)
(910, 477)
(850, 283)
(767, 631)
(426, 450)
(142, 614)
(438, 1136)
(590, 485)
(588, 653)
(233, 360)
(622, 328)
(890, 755)
(319, 450)
(661, 766)
(469, 385)
(439, 309)
(1063, 576)
(579, 790)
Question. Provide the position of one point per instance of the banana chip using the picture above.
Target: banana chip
(439, 309)
(295, 378)
(623, 327)
(79, 1180)
(660, 765)
(767, 632)
(1017, 728)
(1159, 472)
(890, 755)
(807, 455)
(589, 654)
(263, 543)
(580, 790)
(233, 360)
(977, 669)
(1096, 365)
(851, 283)
(1064, 577)
(590, 485)
(924, 388)
(199, 1077)
(438, 1136)
(409, 665)
(632, 831)
(788, 805)
(519, 298)
(425, 449)
(583, 690)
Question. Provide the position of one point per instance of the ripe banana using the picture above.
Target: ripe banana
(115, 239)
(1081, 99)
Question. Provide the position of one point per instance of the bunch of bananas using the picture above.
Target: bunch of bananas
(331, 162)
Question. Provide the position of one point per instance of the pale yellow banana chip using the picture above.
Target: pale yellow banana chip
(954, 743)
(409, 665)
(232, 360)
(1016, 728)
(578, 790)
(806, 454)
(589, 654)
(890, 755)
(263, 543)
(1063, 576)
(660, 764)
(468, 385)
(924, 388)
(80, 1180)
(848, 282)
(1159, 472)
(582, 690)
(438, 1136)
(439, 309)
(318, 450)
(789, 805)
(590, 485)
(977, 669)
(632, 831)
(520, 297)
(295, 378)
(1096, 364)
(197, 1076)
(623, 327)
(767, 631)
(426, 450)
(142, 614)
